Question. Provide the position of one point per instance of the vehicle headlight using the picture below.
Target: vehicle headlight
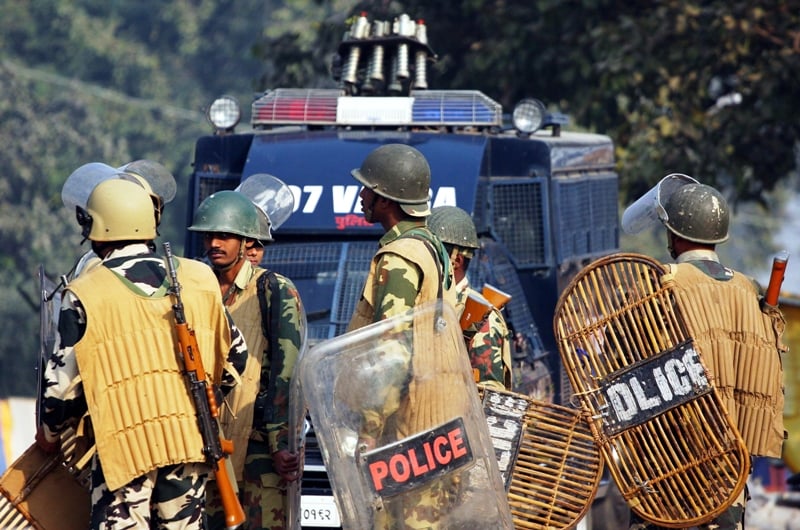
(224, 113)
(528, 115)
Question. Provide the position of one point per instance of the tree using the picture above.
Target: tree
(655, 76)
(126, 81)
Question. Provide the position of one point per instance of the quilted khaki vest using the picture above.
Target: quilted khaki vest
(142, 413)
(237, 414)
(740, 345)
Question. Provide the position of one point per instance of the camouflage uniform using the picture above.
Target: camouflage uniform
(166, 497)
(263, 491)
(488, 344)
(393, 287)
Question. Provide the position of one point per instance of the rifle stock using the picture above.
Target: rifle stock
(214, 446)
(495, 296)
(776, 278)
(476, 307)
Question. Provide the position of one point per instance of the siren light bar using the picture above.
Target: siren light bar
(315, 106)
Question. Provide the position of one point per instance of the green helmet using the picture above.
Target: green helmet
(454, 226)
(699, 213)
(227, 211)
(118, 210)
(400, 173)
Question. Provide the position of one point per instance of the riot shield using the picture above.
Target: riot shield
(663, 431)
(81, 182)
(398, 419)
(546, 453)
(648, 210)
(48, 492)
(49, 306)
(298, 428)
(271, 195)
(160, 180)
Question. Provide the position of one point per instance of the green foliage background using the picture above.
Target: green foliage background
(114, 81)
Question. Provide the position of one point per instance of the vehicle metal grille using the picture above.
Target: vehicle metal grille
(586, 218)
(520, 220)
(492, 266)
(336, 270)
(354, 274)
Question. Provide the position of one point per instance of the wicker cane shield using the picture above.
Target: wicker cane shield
(547, 457)
(661, 426)
(48, 492)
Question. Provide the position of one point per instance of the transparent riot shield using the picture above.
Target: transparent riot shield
(271, 195)
(400, 425)
(81, 182)
(298, 428)
(648, 210)
(157, 177)
(49, 306)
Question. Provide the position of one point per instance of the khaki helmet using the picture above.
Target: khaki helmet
(227, 211)
(398, 172)
(699, 213)
(118, 210)
(454, 226)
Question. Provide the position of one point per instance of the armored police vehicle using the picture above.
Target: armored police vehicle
(544, 199)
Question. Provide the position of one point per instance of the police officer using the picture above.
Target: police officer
(254, 251)
(487, 341)
(734, 335)
(267, 308)
(117, 360)
(410, 267)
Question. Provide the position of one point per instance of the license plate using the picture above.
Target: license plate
(319, 510)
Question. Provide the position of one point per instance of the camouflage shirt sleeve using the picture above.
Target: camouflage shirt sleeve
(63, 400)
(290, 336)
(490, 353)
(397, 283)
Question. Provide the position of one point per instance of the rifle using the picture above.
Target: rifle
(215, 448)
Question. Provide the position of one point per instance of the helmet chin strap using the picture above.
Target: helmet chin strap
(671, 246)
